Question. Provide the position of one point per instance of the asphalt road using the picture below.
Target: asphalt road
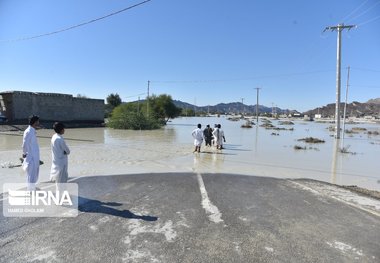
(196, 218)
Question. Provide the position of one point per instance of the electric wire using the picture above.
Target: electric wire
(241, 79)
(364, 12)
(369, 21)
(365, 69)
(75, 26)
(354, 11)
(133, 96)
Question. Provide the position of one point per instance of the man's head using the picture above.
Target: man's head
(208, 126)
(199, 125)
(59, 127)
(34, 121)
(219, 126)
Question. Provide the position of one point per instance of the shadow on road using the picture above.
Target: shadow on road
(96, 206)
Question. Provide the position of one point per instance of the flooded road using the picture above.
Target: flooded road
(255, 151)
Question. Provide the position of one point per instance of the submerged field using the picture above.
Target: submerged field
(280, 150)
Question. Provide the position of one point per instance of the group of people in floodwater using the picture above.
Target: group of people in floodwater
(211, 136)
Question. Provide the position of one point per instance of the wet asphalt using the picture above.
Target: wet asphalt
(191, 217)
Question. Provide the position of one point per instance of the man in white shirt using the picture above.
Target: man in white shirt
(59, 152)
(221, 135)
(218, 134)
(198, 138)
(31, 153)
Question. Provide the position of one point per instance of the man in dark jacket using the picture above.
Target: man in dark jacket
(207, 133)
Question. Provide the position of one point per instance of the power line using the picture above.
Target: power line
(366, 69)
(239, 79)
(366, 86)
(369, 21)
(133, 96)
(364, 12)
(75, 26)
(354, 11)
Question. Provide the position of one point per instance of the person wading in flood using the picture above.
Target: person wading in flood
(198, 138)
(207, 133)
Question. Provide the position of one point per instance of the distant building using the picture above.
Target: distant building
(17, 106)
(318, 116)
(369, 117)
(297, 115)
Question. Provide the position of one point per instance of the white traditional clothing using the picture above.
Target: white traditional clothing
(221, 137)
(59, 165)
(31, 163)
(217, 138)
(198, 136)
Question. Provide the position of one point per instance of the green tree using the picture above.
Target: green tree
(187, 112)
(114, 99)
(163, 107)
(127, 116)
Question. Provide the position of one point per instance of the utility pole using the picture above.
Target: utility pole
(257, 104)
(339, 28)
(195, 103)
(147, 101)
(242, 105)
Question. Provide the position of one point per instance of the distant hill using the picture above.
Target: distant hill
(354, 109)
(374, 101)
(233, 107)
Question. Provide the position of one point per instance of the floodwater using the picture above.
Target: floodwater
(255, 151)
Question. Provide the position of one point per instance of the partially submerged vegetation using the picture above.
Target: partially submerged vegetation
(285, 123)
(147, 115)
(311, 140)
(248, 124)
(297, 147)
(375, 133)
(358, 129)
(345, 150)
(267, 125)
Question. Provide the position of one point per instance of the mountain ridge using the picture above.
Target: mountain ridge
(232, 107)
(354, 109)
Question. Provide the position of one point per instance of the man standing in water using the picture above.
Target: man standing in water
(31, 153)
(207, 133)
(198, 138)
(59, 152)
(221, 135)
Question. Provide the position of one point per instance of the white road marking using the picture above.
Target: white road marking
(345, 248)
(213, 212)
(269, 249)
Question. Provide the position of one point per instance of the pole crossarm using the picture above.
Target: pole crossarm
(339, 27)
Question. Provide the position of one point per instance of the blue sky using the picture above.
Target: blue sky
(199, 51)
